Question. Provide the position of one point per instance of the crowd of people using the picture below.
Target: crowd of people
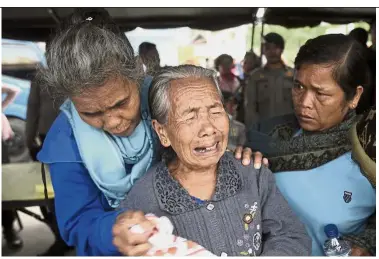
(256, 165)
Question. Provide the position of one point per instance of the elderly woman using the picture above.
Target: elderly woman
(102, 141)
(210, 198)
(310, 153)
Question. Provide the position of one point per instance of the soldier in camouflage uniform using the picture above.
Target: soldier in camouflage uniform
(268, 90)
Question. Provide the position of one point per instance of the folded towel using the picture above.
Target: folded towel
(166, 244)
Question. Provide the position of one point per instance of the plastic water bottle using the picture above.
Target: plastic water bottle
(334, 246)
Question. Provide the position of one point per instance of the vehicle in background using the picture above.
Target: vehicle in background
(19, 64)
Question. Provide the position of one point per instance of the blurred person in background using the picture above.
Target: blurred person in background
(372, 60)
(250, 62)
(12, 238)
(224, 64)
(228, 81)
(42, 110)
(367, 100)
(268, 90)
(41, 113)
(150, 57)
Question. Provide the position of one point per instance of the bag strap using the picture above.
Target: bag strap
(45, 186)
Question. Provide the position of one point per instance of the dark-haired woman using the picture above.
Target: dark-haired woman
(229, 83)
(102, 141)
(227, 80)
(311, 152)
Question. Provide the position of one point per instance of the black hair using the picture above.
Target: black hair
(222, 59)
(360, 35)
(274, 38)
(346, 56)
(145, 47)
(256, 61)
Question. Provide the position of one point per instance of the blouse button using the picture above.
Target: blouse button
(210, 207)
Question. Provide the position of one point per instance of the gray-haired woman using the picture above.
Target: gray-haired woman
(102, 141)
(207, 194)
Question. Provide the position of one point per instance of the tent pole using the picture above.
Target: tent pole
(53, 15)
(252, 37)
(262, 31)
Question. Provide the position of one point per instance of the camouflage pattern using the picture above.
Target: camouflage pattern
(268, 94)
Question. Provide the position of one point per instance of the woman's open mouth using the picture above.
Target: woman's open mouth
(207, 150)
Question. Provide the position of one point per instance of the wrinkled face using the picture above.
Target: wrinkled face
(272, 52)
(319, 101)
(198, 126)
(113, 107)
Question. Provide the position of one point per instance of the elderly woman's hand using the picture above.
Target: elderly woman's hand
(246, 153)
(128, 243)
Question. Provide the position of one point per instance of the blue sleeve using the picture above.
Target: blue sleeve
(84, 218)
